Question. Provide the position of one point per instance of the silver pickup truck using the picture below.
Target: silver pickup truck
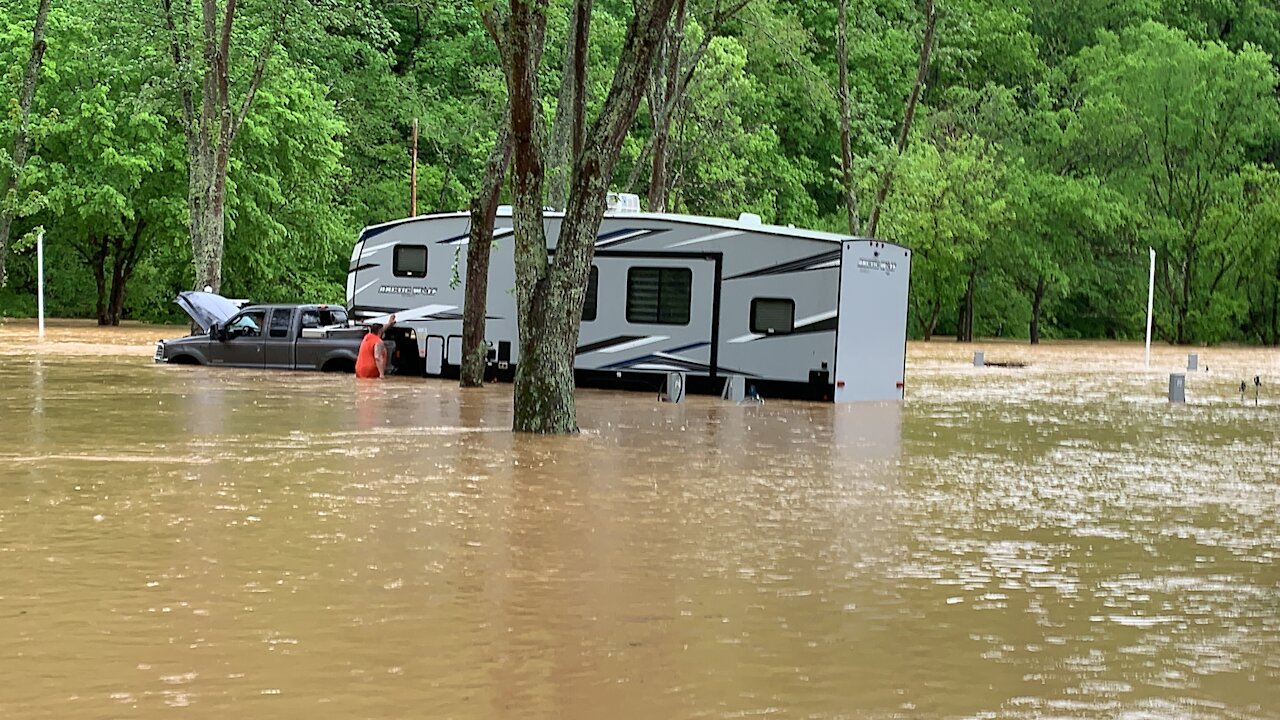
(287, 337)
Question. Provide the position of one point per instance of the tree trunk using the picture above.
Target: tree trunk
(115, 307)
(1037, 305)
(207, 224)
(846, 146)
(581, 45)
(484, 208)
(658, 183)
(21, 141)
(540, 402)
(932, 325)
(908, 116)
(549, 297)
(1275, 306)
(99, 267)
(964, 329)
(122, 266)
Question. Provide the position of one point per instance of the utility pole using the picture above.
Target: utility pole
(413, 172)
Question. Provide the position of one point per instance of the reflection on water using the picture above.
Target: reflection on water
(1052, 541)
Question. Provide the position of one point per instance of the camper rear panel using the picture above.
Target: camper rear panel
(871, 338)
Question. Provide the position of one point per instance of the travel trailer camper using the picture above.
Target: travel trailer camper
(796, 313)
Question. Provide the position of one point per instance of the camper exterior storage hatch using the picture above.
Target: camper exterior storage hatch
(798, 313)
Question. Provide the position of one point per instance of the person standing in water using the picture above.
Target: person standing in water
(372, 361)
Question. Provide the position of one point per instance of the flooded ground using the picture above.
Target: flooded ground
(1053, 541)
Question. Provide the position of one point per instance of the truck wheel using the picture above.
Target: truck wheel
(339, 366)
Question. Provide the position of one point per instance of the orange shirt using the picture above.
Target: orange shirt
(366, 365)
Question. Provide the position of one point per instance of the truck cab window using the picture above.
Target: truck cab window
(280, 323)
(323, 317)
(247, 325)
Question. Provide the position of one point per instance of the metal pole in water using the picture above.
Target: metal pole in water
(1151, 299)
(40, 280)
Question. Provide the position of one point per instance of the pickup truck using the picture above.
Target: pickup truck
(287, 337)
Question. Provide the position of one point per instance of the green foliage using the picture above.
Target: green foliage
(1177, 122)
(1056, 141)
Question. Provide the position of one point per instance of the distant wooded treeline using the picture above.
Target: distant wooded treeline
(1053, 144)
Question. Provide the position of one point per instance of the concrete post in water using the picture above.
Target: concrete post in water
(1193, 361)
(675, 387)
(979, 359)
(1177, 388)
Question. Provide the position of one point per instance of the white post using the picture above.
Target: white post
(40, 279)
(1151, 298)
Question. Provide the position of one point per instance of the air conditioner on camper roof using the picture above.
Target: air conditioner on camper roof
(623, 202)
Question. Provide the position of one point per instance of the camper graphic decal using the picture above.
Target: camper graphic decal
(877, 264)
(405, 290)
(813, 262)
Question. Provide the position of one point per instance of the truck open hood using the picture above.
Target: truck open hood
(206, 309)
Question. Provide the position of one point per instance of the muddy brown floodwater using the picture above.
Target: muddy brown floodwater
(1053, 541)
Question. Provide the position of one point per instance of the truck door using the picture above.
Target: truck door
(277, 347)
(243, 346)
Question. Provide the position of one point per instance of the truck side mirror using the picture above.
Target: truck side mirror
(219, 333)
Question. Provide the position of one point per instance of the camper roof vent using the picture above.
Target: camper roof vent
(623, 202)
(749, 218)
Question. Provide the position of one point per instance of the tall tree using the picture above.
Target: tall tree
(909, 114)
(21, 140)
(212, 128)
(571, 106)
(550, 294)
(846, 147)
(673, 72)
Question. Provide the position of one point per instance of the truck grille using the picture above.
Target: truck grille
(160, 351)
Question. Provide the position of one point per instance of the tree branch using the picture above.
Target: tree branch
(259, 69)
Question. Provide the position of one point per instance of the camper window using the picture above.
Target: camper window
(773, 316)
(593, 295)
(280, 318)
(410, 261)
(659, 295)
